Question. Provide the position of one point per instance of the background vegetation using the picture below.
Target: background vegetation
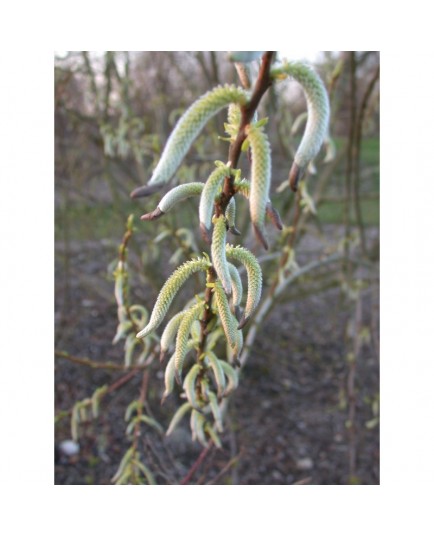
(307, 407)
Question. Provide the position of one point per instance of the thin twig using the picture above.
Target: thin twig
(197, 464)
(226, 468)
(96, 364)
(350, 157)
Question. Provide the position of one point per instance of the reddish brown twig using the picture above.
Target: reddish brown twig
(196, 464)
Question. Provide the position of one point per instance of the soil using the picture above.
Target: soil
(286, 422)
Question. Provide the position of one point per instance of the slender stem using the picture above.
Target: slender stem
(262, 84)
(142, 398)
(95, 364)
(350, 156)
(196, 464)
(357, 149)
(351, 393)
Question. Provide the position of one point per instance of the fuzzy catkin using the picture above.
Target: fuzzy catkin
(254, 276)
(226, 318)
(169, 291)
(237, 286)
(189, 127)
(183, 335)
(218, 253)
(180, 193)
(318, 111)
(207, 198)
(260, 183)
(169, 333)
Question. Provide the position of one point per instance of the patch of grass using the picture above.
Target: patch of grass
(333, 212)
(93, 222)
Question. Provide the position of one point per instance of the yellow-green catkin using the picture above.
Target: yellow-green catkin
(186, 131)
(261, 177)
(169, 291)
(318, 110)
(227, 320)
(254, 278)
(218, 252)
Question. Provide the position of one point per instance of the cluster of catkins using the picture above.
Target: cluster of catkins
(210, 378)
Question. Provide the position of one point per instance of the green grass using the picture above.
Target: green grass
(333, 212)
(93, 222)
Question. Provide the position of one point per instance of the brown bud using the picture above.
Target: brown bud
(155, 214)
(295, 175)
(144, 191)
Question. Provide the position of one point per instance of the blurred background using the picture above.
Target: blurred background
(307, 408)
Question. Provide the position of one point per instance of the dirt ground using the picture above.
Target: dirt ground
(286, 422)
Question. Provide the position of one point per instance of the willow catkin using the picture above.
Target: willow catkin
(207, 198)
(254, 279)
(243, 187)
(226, 318)
(261, 177)
(169, 333)
(186, 131)
(183, 335)
(230, 213)
(169, 291)
(174, 196)
(318, 111)
(237, 286)
(218, 252)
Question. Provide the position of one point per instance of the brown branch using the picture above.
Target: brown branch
(226, 468)
(263, 83)
(196, 464)
(349, 164)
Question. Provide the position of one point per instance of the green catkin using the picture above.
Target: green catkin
(227, 320)
(207, 198)
(318, 110)
(174, 196)
(261, 177)
(186, 131)
(218, 372)
(230, 214)
(169, 378)
(215, 409)
(243, 187)
(169, 334)
(189, 385)
(176, 419)
(183, 335)
(254, 276)
(231, 375)
(169, 291)
(197, 423)
(237, 285)
(218, 253)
